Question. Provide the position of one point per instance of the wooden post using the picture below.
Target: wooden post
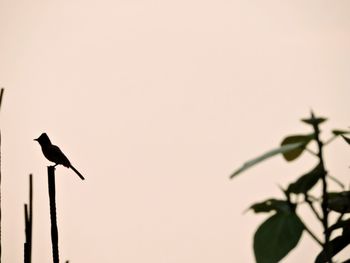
(54, 230)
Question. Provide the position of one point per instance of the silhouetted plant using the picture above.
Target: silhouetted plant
(53, 217)
(281, 232)
(28, 217)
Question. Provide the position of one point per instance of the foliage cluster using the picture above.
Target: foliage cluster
(281, 232)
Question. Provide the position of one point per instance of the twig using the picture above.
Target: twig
(311, 233)
(336, 181)
(311, 205)
(311, 151)
(330, 140)
(340, 218)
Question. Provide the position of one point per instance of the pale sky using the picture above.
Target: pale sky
(156, 103)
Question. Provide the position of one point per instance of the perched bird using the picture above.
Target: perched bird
(54, 154)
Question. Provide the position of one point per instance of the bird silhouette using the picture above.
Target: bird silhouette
(54, 154)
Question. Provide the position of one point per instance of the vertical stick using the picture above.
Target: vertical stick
(28, 218)
(26, 223)
(30, 222)
(0, 193)
(52, 196)
(1, 95)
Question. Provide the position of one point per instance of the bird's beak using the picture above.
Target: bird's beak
(35, 139)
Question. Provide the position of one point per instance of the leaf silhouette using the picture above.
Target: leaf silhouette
(283, 149)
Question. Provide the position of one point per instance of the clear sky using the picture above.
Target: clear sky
(156, 103)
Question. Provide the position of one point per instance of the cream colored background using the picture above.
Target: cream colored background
(156, 103)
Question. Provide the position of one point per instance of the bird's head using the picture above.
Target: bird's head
(43, 139)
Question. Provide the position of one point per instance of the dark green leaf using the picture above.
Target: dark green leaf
(346, 139)
(271, 204)
(339, 202)
(276, 237)
(314, 121)
(335, 246)
(340, 132)
(295, 153)
(283, 149)
(307, 181)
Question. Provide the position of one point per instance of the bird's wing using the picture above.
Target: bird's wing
(54, 154)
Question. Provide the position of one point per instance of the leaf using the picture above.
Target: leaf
(306, 182)
(276, 237)
(346, 139)
(314, 121)
(283, 149)
(302, 139)
(340, 132)
(271, 204)
(336, 245)
(339, 202)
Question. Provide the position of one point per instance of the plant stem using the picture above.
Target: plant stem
(52, 196)
(312, 235)
(310, 232)
(330, 140)
(336, 181)
(308, 201)
(324, 204)
(311, 152)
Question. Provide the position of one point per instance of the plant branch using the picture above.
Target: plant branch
(311, 205)
(336, 181)
(330, 140)
(340, 217)
(308, 230)
(311, 152)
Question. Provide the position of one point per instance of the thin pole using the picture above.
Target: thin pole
(30, 223)
(52, 197)
(28, 220)
(1, 96)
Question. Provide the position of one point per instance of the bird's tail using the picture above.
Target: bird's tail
(77, 172)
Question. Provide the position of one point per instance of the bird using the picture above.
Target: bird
(54, 154)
